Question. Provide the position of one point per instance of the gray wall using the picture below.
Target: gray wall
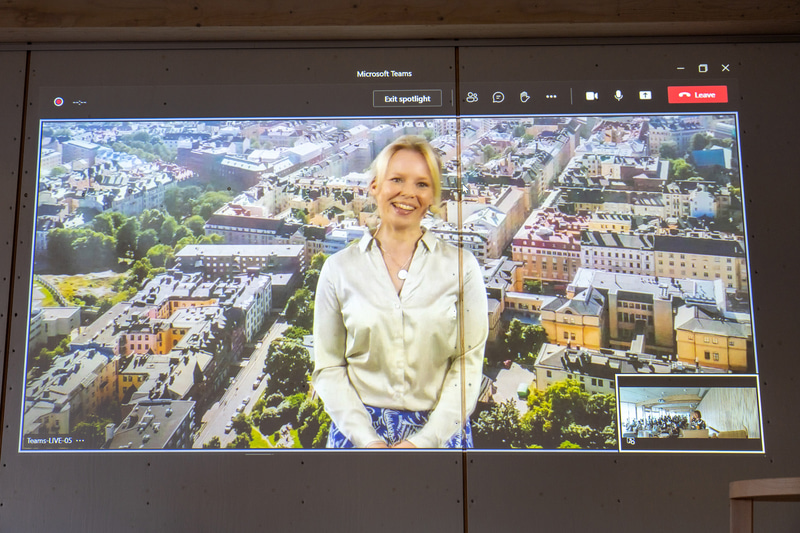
(425, 491)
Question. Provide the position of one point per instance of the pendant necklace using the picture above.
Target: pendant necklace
(402, 274)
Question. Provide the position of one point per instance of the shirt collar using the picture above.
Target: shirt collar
(427, 239)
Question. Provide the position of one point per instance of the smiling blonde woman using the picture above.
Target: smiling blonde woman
(398, 317)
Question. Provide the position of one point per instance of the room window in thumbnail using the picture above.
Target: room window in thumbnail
(731, 342)
(708, 355)
(566, 335)
(716, 356)
(549, 374)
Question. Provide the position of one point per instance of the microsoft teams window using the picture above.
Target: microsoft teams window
(182, 219)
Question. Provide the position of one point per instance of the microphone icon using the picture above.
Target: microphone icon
(618, 95)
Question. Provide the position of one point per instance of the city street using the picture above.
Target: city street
(216, 418)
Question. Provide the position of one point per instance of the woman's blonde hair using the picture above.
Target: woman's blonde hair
(421, 146)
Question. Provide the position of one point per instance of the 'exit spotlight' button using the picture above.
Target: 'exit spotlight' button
(407, 98)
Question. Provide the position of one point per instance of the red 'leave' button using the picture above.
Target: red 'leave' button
(698, 94)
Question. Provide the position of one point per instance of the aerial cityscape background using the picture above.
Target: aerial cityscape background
(175, 265)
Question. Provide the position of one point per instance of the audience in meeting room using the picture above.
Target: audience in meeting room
(663, 426)
(668, 425)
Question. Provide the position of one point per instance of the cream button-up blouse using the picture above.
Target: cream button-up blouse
(375, 347)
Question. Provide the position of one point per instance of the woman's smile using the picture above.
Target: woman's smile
(406, 192)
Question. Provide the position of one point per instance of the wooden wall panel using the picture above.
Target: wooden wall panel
(119, 20)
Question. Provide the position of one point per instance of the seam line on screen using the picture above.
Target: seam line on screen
(11, 284)
(461, 340)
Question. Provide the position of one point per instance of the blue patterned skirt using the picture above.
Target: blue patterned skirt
(394, 425)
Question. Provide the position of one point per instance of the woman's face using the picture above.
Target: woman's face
(406, 191)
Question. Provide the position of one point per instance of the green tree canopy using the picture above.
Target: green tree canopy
(92, 431)
(698, 141)
(161, 255)
(180, 234)
(151, 219)
(196, 225)
(81, 250)
(139, 273)
(294, 332)
(564, 413)
(211, 239)
(668, 150)
(499, 427)
(179, 200)
(241, 425)
(310, 280)
(317, 260)
(313, 424)
(208, 202)
(523, 341)
(126, 238)
(681, 170)
(299, 309)
(288, 364)
(242, 441)
(213, 443)
(108, 222)
(532, 286)
(166, 233)
(144, 241)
